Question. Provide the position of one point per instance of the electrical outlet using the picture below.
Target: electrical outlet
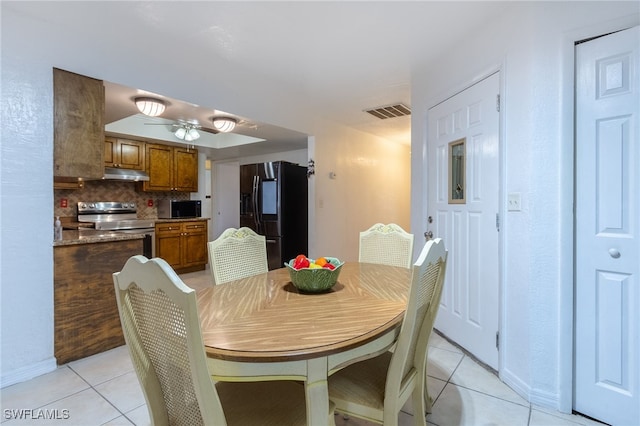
(514, 202)
(64, 203)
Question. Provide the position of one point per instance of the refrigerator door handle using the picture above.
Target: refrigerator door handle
(271, 241)
(256, 217)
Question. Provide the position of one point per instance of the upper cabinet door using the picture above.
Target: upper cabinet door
(78, 135)
(159, 167)
(124, 153)
(185, 175)
(171, 168)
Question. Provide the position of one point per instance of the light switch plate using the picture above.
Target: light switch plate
(514, 202)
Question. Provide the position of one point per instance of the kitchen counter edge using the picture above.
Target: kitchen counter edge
(181, 219)
(81, 235)
(70, 238)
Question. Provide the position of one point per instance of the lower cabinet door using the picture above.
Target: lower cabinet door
(195, 244)
(169, 245)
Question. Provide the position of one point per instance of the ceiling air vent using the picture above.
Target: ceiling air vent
(389, 111)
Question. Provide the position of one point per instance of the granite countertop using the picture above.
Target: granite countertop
(84, 233)
(183, 219)
(87, 236)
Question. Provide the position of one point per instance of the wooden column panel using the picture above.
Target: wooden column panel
(86, 319)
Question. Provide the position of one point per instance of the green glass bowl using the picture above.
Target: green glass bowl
(315, 280)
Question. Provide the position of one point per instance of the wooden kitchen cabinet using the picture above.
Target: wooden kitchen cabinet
(171, 168)
(124, 153)
(183, 245)
(78, 126)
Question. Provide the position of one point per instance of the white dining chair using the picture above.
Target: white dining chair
(237, 253)
(386, 245)
(376, 389)
(161, 328)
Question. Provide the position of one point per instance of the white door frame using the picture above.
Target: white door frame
(566, 251)
(567, 276)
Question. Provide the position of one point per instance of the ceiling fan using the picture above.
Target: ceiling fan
(188, 130)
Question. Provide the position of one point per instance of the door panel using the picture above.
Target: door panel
(466, 220)
(607, 346)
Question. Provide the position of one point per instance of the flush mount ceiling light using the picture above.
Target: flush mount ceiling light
(224, 124)
(150, 106)
(187, 132)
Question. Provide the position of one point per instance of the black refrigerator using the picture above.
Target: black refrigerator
(274, 203)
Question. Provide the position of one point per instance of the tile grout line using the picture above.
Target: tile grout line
(448, 381)
(490, 395)
(73, 393)
(101, 395)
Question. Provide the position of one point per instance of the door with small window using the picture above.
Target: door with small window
(463, 204)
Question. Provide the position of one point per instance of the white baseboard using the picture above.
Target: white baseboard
(28, 372)
(534, 396)
(515, 383)
(544, 399)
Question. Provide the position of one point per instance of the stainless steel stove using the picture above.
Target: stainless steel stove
(118, 217)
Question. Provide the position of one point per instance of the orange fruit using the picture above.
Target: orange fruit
(321, 261)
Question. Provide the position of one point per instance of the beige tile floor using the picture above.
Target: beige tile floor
(103, 390)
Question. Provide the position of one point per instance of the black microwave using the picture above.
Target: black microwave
(177, 209)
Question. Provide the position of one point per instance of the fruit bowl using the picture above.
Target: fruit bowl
(314, 280)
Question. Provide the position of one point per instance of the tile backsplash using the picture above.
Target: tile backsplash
(111, 190)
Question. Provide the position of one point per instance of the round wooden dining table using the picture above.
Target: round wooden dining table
(263, 328)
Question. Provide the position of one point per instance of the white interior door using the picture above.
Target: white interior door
(607, 346)
(463, 212)
(226, 182)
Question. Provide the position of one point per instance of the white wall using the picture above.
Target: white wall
(226, 182)
(532, 45)
(73, 37)
(299, 156)
(372, 184)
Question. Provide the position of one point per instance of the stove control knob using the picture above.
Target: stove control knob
(83, 206)
(92, 206)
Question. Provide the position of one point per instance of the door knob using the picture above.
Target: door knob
(428, 235)
(614, 253)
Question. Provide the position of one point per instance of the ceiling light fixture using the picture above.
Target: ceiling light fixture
(187, 132)
(224, 124)
(150, 106)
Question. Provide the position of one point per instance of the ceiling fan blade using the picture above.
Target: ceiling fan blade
(209, 130)
(161, 124)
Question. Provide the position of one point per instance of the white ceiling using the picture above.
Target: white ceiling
(124, 119)
(344, 57)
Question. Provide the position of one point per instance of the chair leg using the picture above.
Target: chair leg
(428, 401)
(419, 398)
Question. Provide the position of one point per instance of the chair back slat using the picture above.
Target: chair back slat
(160, 322)
(410, 355)
(386, 245)
(236, 254)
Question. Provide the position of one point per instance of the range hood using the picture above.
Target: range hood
(112, 173)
